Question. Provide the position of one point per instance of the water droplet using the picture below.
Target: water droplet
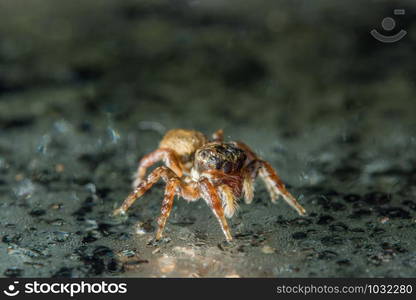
(62, 126)
(332, 240)
(324, 220)
(13, 272)
(91, 188)
(61, 236)
(37, 212)
(344, 262)
(25, 189)
(44, 144)
(299, 235)
(114, 135)
(327, 255)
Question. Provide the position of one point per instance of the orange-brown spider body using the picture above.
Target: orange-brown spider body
(218, 172)
(176, 150)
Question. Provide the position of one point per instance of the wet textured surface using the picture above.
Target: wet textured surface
(86, 90)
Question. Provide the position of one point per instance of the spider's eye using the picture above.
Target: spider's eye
(218, 165)
(203, 154)
(227, 167)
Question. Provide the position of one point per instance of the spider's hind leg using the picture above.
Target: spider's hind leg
(218, 136)
(154, 176)
(168, 157)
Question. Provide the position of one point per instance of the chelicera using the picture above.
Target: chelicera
(217, 171)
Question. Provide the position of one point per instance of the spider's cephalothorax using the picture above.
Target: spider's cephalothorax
(219, 172)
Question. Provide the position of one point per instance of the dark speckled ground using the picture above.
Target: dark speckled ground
(86, 90)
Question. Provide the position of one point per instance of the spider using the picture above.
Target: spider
(218, 172)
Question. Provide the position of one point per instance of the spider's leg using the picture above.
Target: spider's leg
(153, 177)
(210, 195)
(175, 186)
(167, 155)
(276, 185)
(218, 136)
(270, 178)
(250, 174)
(250, 153)
(229, 201)
(274, 194)
(167, 205)
(252, 169)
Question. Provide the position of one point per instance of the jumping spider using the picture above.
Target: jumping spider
(217, 171)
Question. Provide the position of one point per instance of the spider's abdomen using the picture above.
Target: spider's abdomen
(183, 142)
(225, 157)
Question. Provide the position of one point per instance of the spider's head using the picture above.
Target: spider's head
(224, 157)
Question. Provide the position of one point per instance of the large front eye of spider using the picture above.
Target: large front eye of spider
(205, 159)
(227, 167)
(203, 154)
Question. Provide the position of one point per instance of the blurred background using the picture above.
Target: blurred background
(87, 88)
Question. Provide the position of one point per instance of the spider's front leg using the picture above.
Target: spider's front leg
(250, 174)
(175, 186)
(276, 187)
(168, 157)
(274, 184)
(154, 176)
(167, 205)
(210, 195)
